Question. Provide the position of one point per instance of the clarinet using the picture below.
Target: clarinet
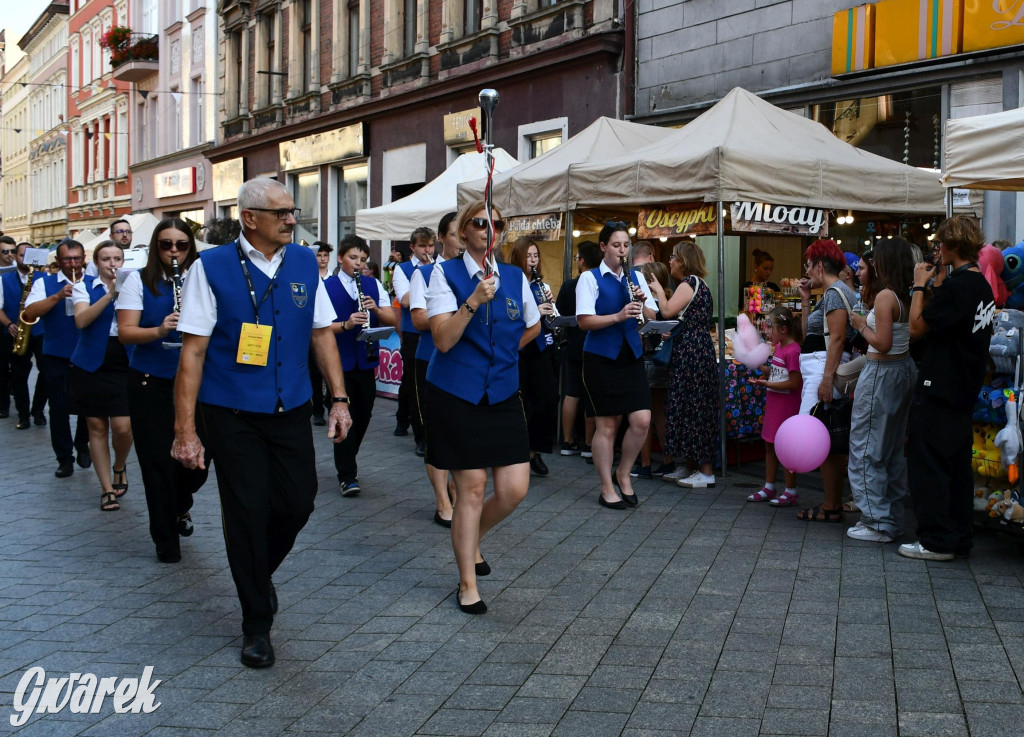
(640, 319)
(359, 297)
(176, 292)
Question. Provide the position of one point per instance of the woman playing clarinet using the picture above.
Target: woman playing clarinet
(147, 317)
(611, 302)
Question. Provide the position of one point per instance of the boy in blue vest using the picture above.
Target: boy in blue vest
(48, 300)
(13, 287)
(422, 244)
(359, 359)
(249, 312)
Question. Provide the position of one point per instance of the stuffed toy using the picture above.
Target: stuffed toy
(747, 346)
(994, 499)
(991, 264)
(1013, 275)
(1015, 513)
(1008, 440)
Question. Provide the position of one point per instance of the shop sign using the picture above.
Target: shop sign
(673, 221)
(322, 148)
(456, 127)
(760, 217)
(175, 183)
(539, 227)
(990, 24)
(913, 30)
(228, 177)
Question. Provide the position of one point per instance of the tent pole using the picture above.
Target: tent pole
(567, 261)
(949, 202)
(720, 225)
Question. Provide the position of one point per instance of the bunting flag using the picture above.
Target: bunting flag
(107, 136)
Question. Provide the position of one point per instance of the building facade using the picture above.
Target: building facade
(174, 116)
(355, 103)
(46, 47)
(884, 76)
(14, 147)
(98, 137)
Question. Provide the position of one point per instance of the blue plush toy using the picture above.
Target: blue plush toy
(1013, 275)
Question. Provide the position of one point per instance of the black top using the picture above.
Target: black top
(565, 303)
(955, 355)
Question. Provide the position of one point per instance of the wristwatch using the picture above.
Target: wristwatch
(343, 400)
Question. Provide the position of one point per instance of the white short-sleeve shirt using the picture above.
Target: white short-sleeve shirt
(348, 283)
(199, 306)
(38, 293)
(586, 291)
(80, 294)
(400, 281)
(440, 299)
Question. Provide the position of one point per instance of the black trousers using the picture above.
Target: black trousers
(939, 474)
(539, 387)
(362, 391)
(55, 371)
(316, 380)
(266, 476)
(169, 485)
(14, 373)
(406, 414)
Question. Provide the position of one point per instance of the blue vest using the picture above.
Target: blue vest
(61, 333)
(12, 299)
(485, 361)
(425, 347)
(353, 353)
(407, 268)
(153, 358)
(92, 339)
(288, 308)
(612, 296)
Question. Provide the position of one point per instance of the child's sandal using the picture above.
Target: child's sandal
(764, 494)
(785, 499)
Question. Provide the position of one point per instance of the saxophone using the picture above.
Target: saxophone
(21, 339)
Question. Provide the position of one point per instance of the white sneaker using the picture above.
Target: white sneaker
(679, 472)
(863, 532)
(697, 480)
(919, 551)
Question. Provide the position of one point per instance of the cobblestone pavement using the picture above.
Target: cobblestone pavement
(696, 613)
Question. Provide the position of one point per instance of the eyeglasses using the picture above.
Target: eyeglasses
(123, 231)
(175, 245)
(8, 251)
(281, 213)
(72, 259)
(617, 224)
(481, 224)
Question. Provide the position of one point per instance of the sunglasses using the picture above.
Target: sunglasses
(481, 224)
(176, 245)
(281, 213)
(8, 251)
(617, 224)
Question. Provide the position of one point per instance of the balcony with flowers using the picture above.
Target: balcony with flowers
(133, 56)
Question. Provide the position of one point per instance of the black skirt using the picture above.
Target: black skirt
(103, 392)
(615, 387)
(463, 436)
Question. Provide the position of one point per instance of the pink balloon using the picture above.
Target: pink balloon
(802, 443)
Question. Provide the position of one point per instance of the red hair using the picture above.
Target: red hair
(828, 253)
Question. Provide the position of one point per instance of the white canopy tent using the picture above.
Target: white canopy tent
(986, 152)
(426, 206)
(541, 184)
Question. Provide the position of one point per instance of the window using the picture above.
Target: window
(150, 17)
(408, 27)
(473, 11)
(541, 144)
(76, 79)
(306, 45)
(351, 197)
(306, 191)
(265, 63)
(353, 37)
(196, 107)
(235, 92)
(86, 57)
(536, 139)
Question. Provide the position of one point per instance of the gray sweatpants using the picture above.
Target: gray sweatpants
(878, 468)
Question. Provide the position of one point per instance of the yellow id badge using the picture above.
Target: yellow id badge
(254, 344)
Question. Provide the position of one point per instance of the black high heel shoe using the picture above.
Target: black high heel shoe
(482, 568)
(629, 499)
(477, 607)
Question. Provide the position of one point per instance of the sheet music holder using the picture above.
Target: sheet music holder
(375, 334)
(658, 326)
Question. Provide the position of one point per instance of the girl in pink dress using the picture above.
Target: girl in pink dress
(783, 400)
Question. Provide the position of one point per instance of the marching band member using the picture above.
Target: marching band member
(421, 242)
(610, 300)
(12, 294)
(481, 314)
(147, 318)
(98, 375)
(358, 304)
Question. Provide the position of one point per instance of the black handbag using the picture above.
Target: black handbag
(836, 416)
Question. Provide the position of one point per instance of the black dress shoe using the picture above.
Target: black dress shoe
(441, 520)
(22, 425)
(401, 432)
(84, 458)
(611, 505)
(257, 652)
(273, 598)
(421, 449)
(482, 568)
(538, 466)
(65, 469)
(477, 607)
(40, 420)
(168, 556)
(185, 526)
(629, 499)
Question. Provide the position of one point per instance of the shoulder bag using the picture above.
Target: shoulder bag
(663, 355)
(848, 373)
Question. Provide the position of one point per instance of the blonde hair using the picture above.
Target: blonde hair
(466, 214)
(691, 258)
